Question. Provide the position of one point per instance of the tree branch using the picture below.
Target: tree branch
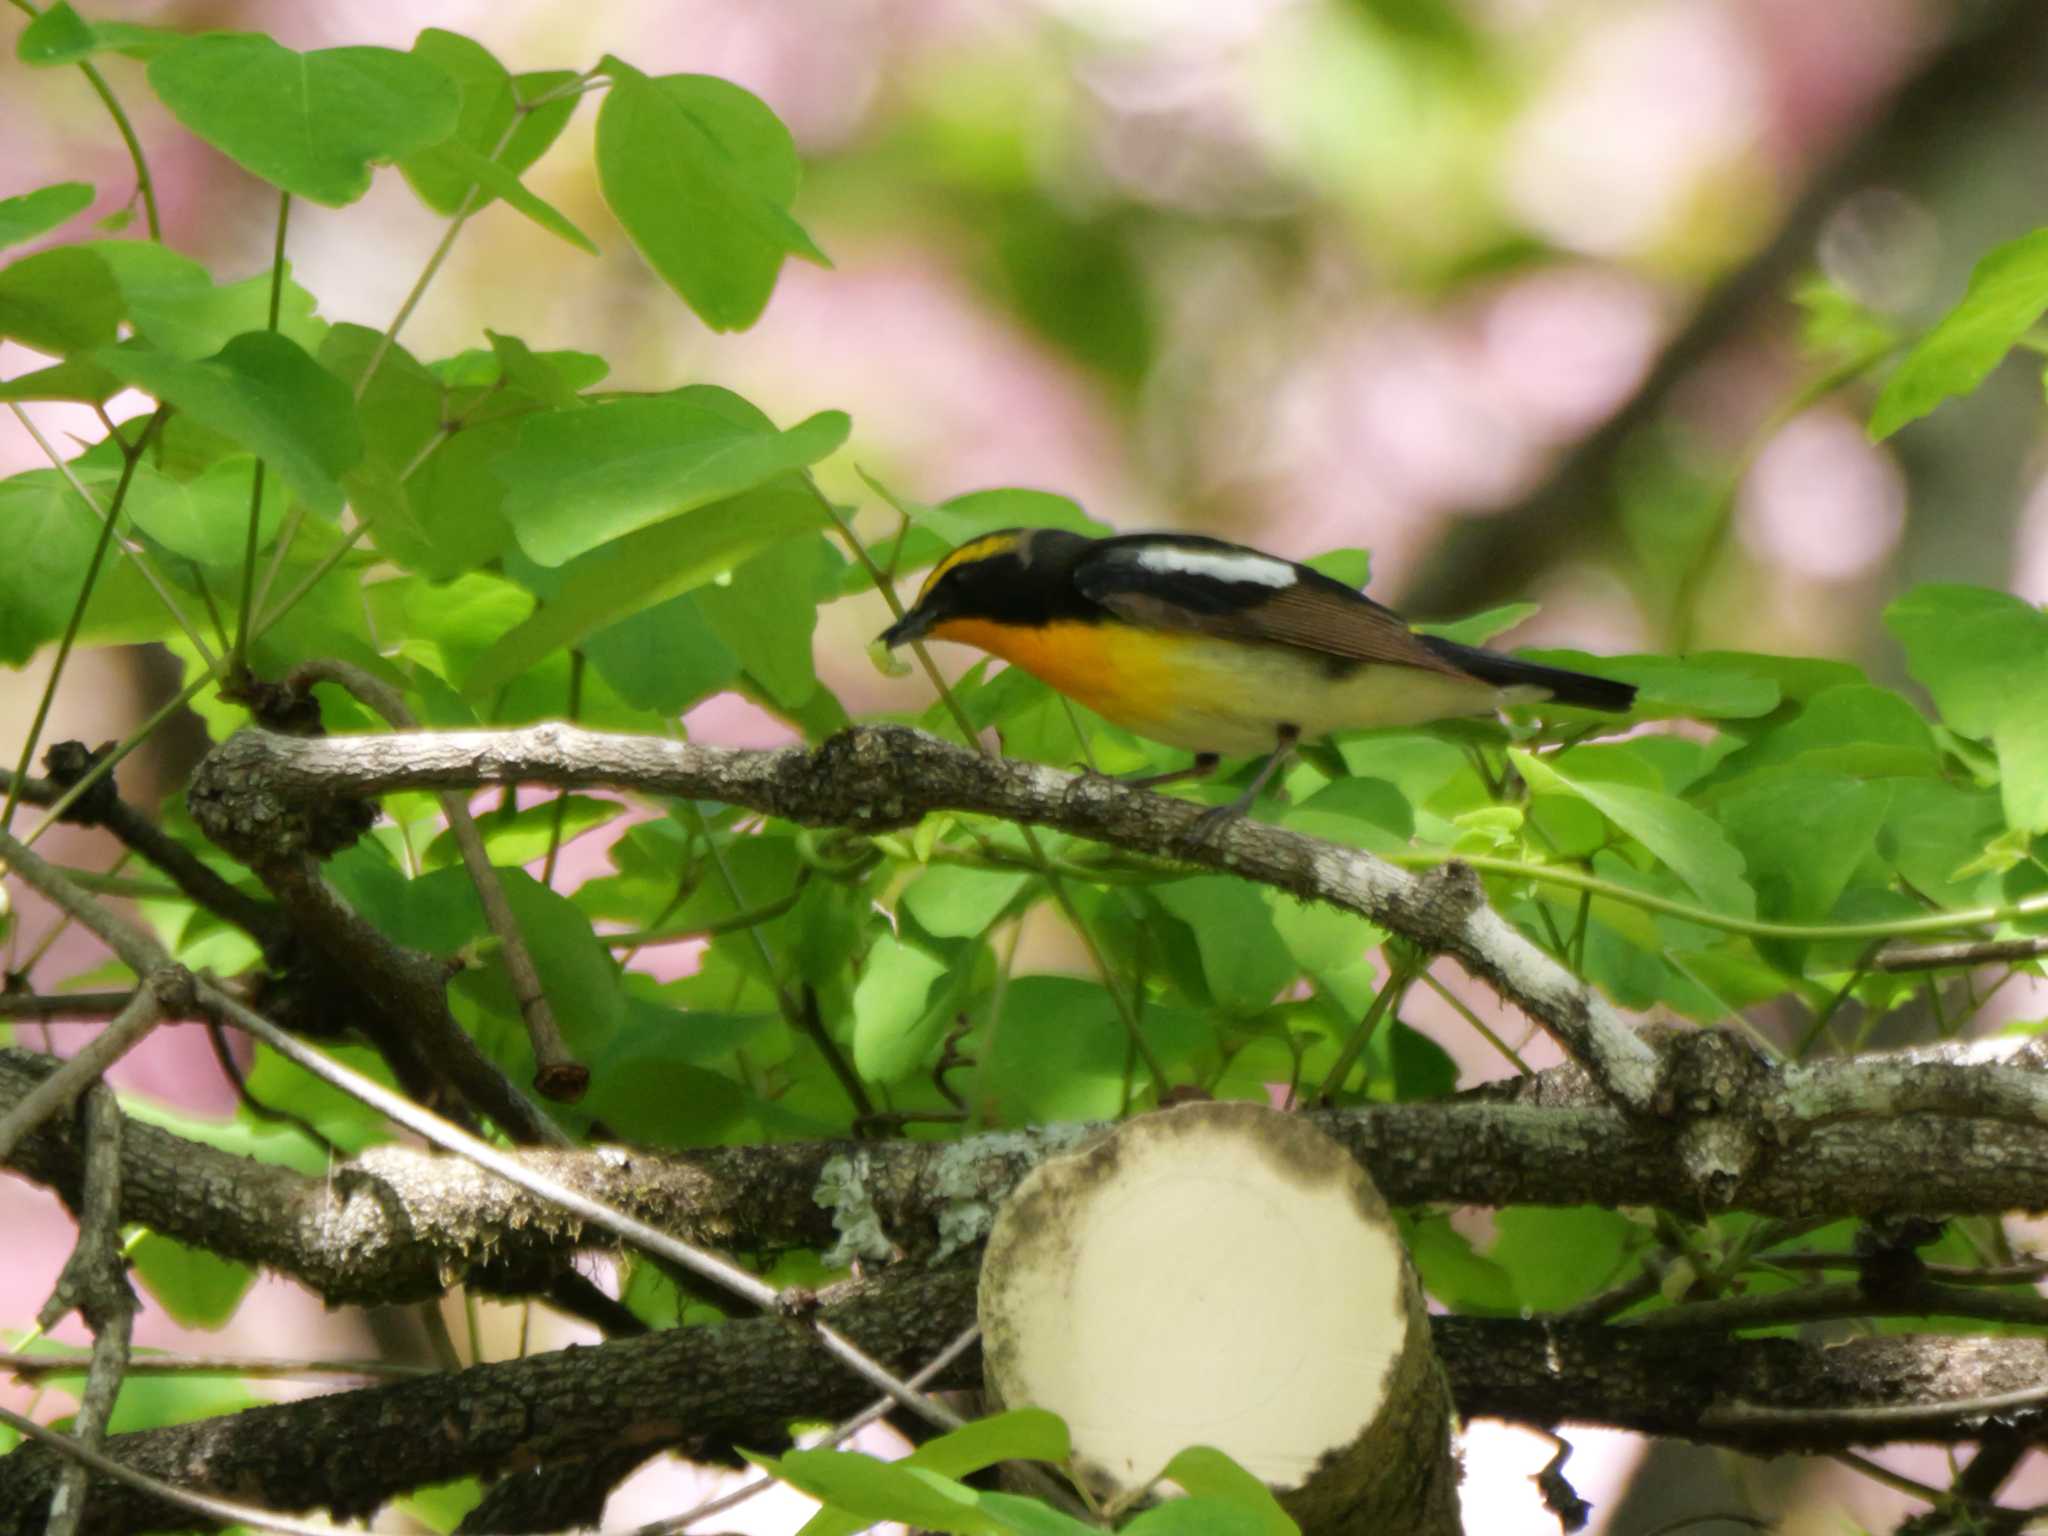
(257, 795)
(398, 1224)
(701, 1390)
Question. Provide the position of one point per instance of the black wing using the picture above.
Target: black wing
(1226, 590)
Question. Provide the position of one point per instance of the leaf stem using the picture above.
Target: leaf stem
(547, 868)
(239, 657)
(144, 187)
(71, 626)
(1746, 927)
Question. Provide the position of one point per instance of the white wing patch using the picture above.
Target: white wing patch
(1235, 565)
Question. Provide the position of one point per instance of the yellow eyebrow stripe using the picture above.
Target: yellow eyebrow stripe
(974, 549)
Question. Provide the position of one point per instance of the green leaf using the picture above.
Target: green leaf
(523, 837)
(1029, 1517)
(1453, 1271)
(49, 535)
(310, 123)
(1558, 1255)
(578, 479)
(956, 901)
(663, 658)
(39, 212)
(1208, 1474)
(526, 371)
(1058, 1052)
(400, 409)
(485, 108)
(891, 1000)
(61, 36)
(1361, 812)
(1482, 627)
(501, 182)
(652, 1100)
(1020, 1434)
(645, 568)
(766, 611)
(2008, 292)
(1802, 837)
(576, 970)
(1684, 839)
(1200, 1517)
(539, 126)
(76, 379)
(58, 36)
(1245, 973)
(153, 1402)
(1698, 688)
(205, 518)
(882, 1490)
(174, 304)
(701, 174)
(263, 391)
(1983, 655)
(196, 1288)
(456, 502)
(60, 301)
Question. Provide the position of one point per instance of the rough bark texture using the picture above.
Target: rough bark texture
(267, 797)
(700, 1390)
(398, 1224)
(703, 1389)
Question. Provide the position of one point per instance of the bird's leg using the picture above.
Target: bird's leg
(1203, 765)
(1289, 737)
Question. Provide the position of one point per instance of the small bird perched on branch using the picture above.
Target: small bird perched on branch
(1214, 647)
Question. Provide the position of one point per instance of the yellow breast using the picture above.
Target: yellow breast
(1212, 695)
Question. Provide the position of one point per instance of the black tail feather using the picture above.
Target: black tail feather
(1576, 688)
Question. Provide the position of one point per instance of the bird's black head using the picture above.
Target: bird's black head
(1020, 576)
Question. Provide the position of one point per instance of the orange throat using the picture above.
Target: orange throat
(1124, 675)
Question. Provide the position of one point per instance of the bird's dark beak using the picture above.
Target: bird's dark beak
(912, 626)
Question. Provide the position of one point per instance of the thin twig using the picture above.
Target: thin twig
(555, 823)
(61, 1087)
(557, 1073)
(220, 1511)
(839, 1433)
(238, 658)
(1928, 957)
(1389, 995)
(35, 1368)
(95, 1284)
(107, 520)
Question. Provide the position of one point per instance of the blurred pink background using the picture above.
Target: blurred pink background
(1357, 285)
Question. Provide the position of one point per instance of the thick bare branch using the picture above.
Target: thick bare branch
(702, 1389)
(398, 1224)
(256, 795)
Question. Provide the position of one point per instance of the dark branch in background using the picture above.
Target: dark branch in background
(698, 1390)
(261, 797)
(94, 1283)
(102, 806)
(310, 988)
(56, 1092)
(1934, 957)
(400, 1225)
(557, 1073)
(701, 1390)
(1991, 51)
